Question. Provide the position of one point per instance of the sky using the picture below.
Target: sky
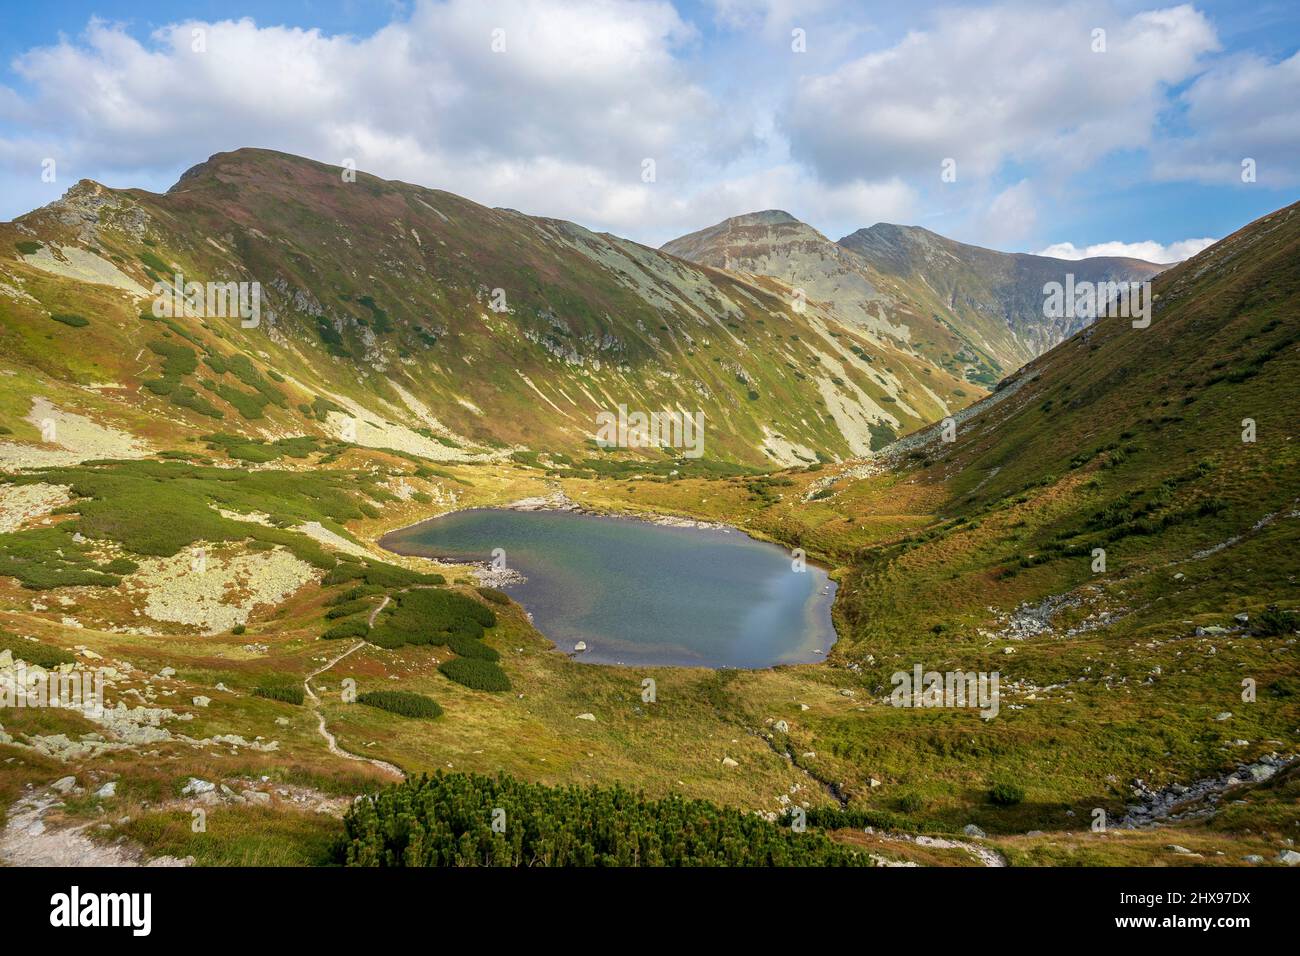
(1097, 127)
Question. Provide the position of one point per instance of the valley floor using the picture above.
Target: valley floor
(1102, 711)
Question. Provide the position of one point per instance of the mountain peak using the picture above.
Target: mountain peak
(251, 162)
(768, 217)
(710, 245)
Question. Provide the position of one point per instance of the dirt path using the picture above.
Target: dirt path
(27, 841)
(370, 621)
(330, 741)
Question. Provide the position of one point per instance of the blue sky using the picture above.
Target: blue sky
(844, 114)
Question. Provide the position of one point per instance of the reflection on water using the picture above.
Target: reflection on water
(639, 593)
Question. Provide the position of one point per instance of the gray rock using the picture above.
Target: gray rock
(64, 784)
(1253, 858)
(196, 787)
(1289, 857)
(107, 790)
(781, 727)
(971, 830)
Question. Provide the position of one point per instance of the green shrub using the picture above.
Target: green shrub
(431, 616)
(468, 647)
(348, 608)
(67, 318)
(1006, 794)
(288, 693)
(1274, 622)
(446, 820)
(911, 803)
(353, 627)
(494, 595)
(475, 674)
(44, 558)
(28, 247)
(35, 652)
(153, 262)
(401, 702)
(247, 404)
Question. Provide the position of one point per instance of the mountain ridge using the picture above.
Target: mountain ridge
(972, 310)
(376, 292)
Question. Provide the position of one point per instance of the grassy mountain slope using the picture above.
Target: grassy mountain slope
(378, 304)
(981, 554)
(994, 294)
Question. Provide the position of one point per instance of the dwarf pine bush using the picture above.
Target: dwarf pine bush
(447, 820)
(475, 673)
(401, 702)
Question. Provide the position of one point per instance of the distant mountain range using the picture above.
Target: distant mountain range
(398, 316)
(971, 311)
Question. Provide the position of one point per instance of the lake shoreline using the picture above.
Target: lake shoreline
(444, 551)
(560, 502)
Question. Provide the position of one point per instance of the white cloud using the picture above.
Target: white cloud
(1009, 82)
(767, 15)
(559, 123)
(1245, 107)
(1150, 251)
(1009, 216)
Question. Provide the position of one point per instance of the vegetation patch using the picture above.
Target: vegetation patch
(281, 691)
(35, 652)
(353, 627)
(475, 673)
(433, 616)
(401, 702)
(446, 820)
